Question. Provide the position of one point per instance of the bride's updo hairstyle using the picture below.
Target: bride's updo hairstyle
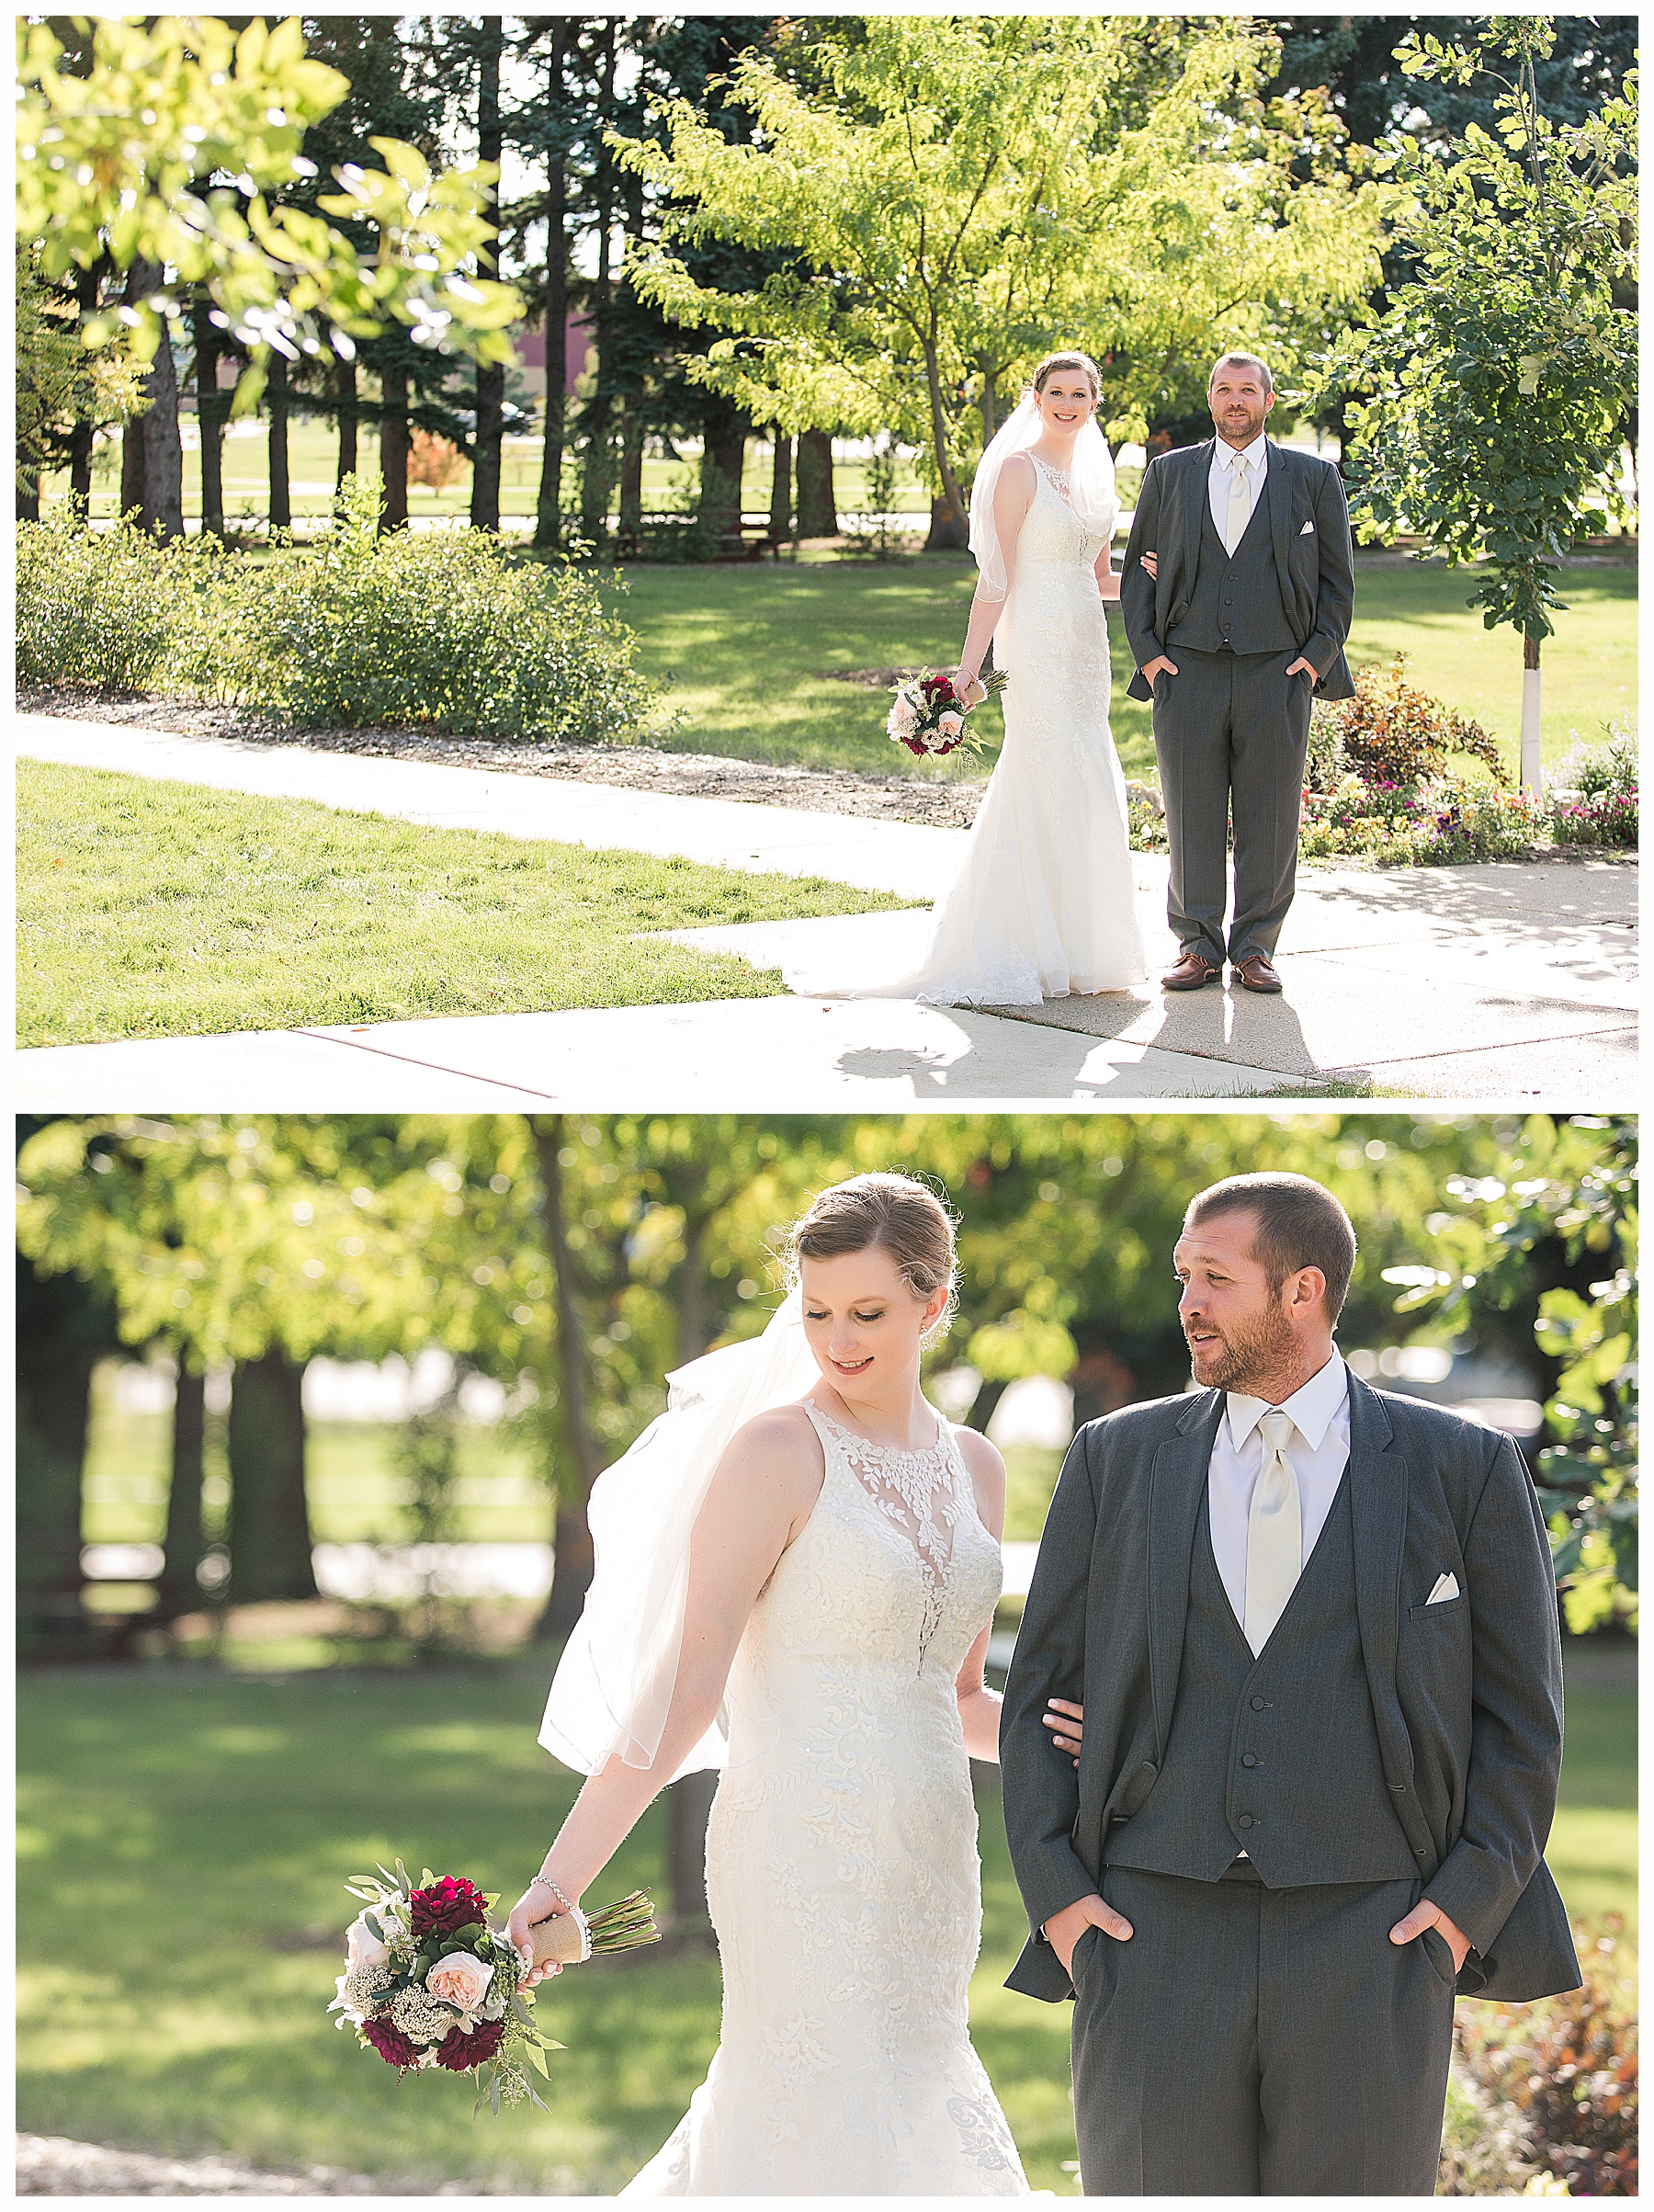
(1053, 361)
(895, 1213)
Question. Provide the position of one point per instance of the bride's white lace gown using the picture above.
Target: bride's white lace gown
(1043, 904)
(842, 1858)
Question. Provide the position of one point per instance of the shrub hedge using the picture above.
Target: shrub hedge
(440, 629)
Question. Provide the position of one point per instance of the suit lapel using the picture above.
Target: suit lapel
(1176, 1485)
(1277, 494)
(1379, 1478)
(1194, 506)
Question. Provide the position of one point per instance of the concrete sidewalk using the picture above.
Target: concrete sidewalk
(1507, 981)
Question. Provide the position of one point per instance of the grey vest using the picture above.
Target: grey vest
(1236, 601)
(1276, 1756)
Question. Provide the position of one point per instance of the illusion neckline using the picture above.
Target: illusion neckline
(899, 1451)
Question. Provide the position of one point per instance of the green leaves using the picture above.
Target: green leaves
(124, 159)
(1488, 408)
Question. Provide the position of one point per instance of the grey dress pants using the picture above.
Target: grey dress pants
(1231, 731)
(1255, 2042)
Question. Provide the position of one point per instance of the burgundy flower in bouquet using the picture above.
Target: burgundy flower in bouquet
(446, 1907)
(392, 2045)
(459, 2052)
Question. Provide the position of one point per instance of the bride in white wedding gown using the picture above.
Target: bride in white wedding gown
(1044, 905)
(797, 1567)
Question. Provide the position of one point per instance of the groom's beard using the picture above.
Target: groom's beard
(1240, 1355)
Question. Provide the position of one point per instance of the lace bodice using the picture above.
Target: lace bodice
(1050, 536)
(841, 1858)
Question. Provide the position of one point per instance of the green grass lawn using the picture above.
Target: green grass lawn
(195, 1837)
(746, 648)
(164, 910)
(355, 1492)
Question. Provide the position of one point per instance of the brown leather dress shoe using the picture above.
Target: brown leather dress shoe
(1190, 972)
(1257, 973)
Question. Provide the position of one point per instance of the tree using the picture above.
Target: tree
(1539, 1257)
(948, 197)
(61, 386)
(110, 163)
(1500, 375)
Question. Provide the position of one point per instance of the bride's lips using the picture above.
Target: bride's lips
(852, 1366)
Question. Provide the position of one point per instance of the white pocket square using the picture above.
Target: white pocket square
(1307, 530)
(1447, 1586)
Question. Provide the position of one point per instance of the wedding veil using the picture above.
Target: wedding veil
(614, 1685)
(1092, 489)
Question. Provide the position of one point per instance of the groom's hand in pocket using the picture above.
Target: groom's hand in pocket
(1307, 668)
(1064, 1929)
(1154, 667)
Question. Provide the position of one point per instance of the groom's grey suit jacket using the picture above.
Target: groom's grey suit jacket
(1311, 574)
(1466, 1696)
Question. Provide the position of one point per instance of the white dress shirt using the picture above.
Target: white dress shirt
(1319, 1449)
(1257, 457)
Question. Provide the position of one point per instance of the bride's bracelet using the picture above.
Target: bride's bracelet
(544, 1881)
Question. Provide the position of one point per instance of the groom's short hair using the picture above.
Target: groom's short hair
(1241, 360)
(1300, 1225)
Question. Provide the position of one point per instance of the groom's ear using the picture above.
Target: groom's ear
(1307, 1292)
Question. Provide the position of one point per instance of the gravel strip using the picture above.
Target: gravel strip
(50, 2165)
(637, 768)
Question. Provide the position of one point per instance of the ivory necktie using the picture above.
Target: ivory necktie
(1274, 1533)
(1239, 504)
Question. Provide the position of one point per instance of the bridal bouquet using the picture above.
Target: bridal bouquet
(428, 1982)
(928, 716)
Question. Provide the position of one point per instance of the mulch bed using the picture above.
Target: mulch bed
(637, 768)
(50, 2165)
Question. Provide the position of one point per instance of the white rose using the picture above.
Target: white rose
(459, 1980)
(363, 1947)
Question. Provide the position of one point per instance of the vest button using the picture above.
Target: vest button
(1246, 1820)
(1257, 1704)
(1249, 1759)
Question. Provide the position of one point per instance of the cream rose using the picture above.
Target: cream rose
(950, 725)
(459, 1980)
(363, 1947)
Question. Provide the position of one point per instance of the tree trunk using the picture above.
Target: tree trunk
(490, 376)
(28, 497)
(982, 1405)
(344, 394)
(572, 1574)
(724, 458)
(269, 1532)
(151, 459)
(631, 468)
(276, 391)
(781, 490)
(178, 1591)
(949, 531)
(1533, 776)
(688, 1810)
(950, 527)
(548, 513)
(595, 487)
(59, 1340)
(210, 411)
(394, 449)
(83, 436)
(818, 511)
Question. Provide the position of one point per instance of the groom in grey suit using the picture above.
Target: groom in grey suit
(1245, 617)
(1314, 1631)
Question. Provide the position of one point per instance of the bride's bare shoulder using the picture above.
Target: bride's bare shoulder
(780, 1443)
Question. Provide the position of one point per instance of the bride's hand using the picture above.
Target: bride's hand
(1067, 1724)
(963, 687)
(1151, 563)
(536, 1904)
